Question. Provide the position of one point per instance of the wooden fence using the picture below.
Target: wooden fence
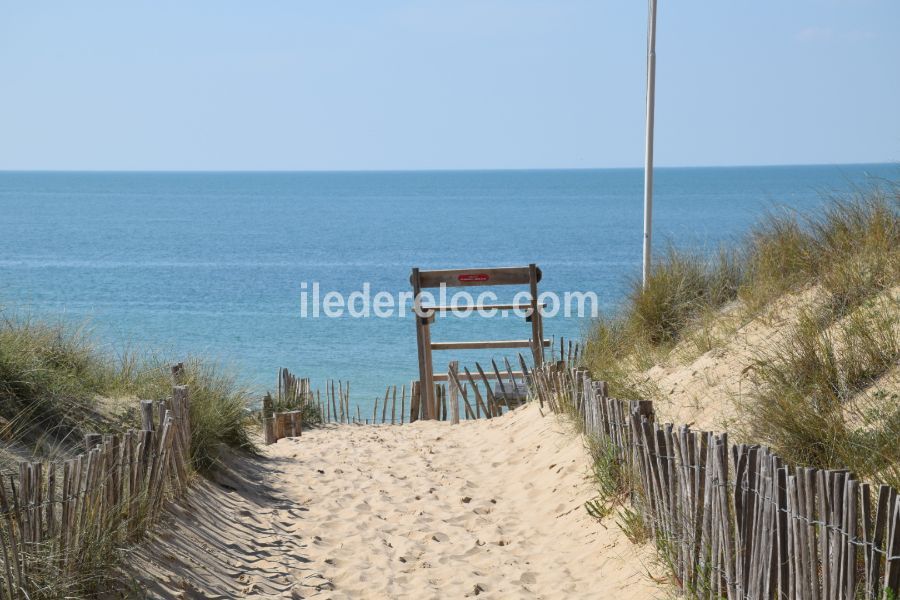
(484, 394)
(734, 520)
(56, 517)
(465, 395)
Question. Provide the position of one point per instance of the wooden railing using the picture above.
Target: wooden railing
(733, 520)
(55, 516)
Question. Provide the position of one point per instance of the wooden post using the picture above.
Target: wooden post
(428, 382)
(160, 414)
(537, 332)
(479, 405)
(92, 440)
(282, 425)
(394, 406)
(297, 423)
(493, 407)
(147, 415)
(181, 406)
(178, 374)
(423, 343)
(347, 396)
(512, 383)
(453, 369)
(334, 400)
(892, 568)
(454, 375)
(334, 411)
(500, 383)
(268, 419)
(414, 401)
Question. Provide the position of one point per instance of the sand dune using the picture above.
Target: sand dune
(487, 508)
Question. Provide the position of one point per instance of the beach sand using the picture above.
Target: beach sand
(429, 510)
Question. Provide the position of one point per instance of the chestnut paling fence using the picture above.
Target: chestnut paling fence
(486, 393)
(733, 520)
(55, 517)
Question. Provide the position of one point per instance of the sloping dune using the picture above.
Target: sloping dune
(429, 510)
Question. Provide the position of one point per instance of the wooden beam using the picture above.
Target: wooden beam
(475, 277)
(446, 376)
(449, 308)
(484, 345)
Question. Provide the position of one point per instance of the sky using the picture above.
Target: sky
(462, 84)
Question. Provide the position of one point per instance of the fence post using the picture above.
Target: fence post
(268, 419)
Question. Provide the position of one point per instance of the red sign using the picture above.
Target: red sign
(472, 277)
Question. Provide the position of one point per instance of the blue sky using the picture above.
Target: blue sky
(389, 84)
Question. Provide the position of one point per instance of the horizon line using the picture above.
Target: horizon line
(450, 170)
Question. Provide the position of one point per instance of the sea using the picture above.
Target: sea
(216, 264)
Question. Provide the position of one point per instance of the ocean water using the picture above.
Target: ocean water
(213, 263)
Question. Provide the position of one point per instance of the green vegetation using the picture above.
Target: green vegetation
(818, 397)
(310, 412)
(219, 406)
(612, 478)
(811, 398)
(55, 385)
(681, 287)
(615, 485)
(50, 378)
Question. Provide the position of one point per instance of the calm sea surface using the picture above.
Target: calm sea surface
(212, 263)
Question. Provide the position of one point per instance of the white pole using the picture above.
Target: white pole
(648, 156)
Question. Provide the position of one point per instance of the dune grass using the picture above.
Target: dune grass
(812, 397)
(56, 385)
(49, 379)
(681, 287)
(220, 415)
(53, 380)
(310, 412)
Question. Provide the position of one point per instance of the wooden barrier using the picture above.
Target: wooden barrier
(296, 395)
(733, 520)
(285, 424)
(530, 275)
(53, 514)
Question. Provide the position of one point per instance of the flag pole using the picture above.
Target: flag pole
(648, 156)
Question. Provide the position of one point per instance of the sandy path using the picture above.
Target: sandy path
(489, 508)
